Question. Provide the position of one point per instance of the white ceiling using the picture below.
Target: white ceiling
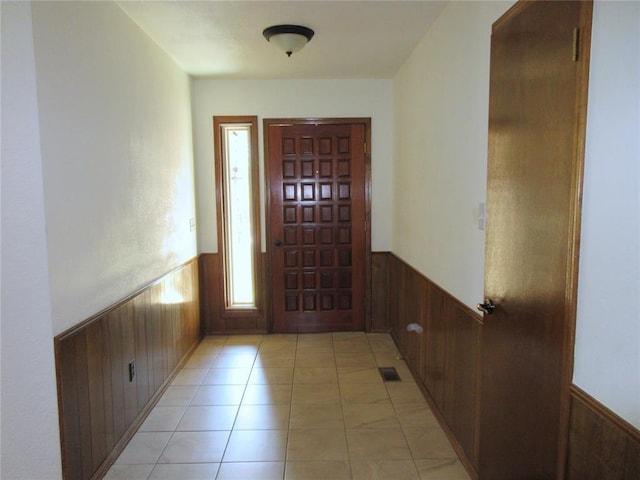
(353, 39)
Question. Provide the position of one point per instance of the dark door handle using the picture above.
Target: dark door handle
(487, 307)
(277, 243)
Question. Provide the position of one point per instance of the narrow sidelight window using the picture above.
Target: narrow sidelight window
(238, 216)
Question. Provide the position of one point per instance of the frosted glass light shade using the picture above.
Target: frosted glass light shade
(288, 38)
(289, 42)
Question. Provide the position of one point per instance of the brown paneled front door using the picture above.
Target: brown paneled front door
(316, 227)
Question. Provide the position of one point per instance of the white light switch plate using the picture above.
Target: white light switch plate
(481, 216)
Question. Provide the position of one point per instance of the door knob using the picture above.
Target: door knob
(487, 307)
(277, 243)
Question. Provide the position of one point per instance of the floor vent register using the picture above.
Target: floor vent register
(389, 374)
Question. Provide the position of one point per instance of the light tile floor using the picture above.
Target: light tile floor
(292, 407)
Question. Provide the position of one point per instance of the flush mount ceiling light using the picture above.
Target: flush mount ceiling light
(288, 38)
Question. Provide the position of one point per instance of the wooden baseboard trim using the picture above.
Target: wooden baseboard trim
(237, 332)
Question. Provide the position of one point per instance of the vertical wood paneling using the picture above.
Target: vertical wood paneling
(110, 434)
(165, 332)
(112, 320)
(412, 344)
(96, 393)
(444, 357)
(602, 446)
(214, 318)
(154, 325)
(234, 324)
(144, 388)
(209, 264)
(83, 406)
(213, 322)
(396, 296)
(99, 407)
(379, 292)
(436, 338)
(174, 311)
(68, 395)
(459, 408)
(127, 323)
(266, 321)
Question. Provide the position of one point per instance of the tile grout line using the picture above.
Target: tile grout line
(181, 417)
(239, 406)
(381, 349)
(293, 375)
(344, 421)
(395, 410)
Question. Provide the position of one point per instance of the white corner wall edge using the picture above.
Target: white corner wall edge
(607, 349)
(30, 435)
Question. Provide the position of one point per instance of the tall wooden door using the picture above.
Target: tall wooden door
(317, 225)
(539, 65)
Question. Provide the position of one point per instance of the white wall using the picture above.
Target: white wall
(441, 97)
(607, 352)
(30, 437)
(294, 99)
(117, 156)
(97, 193)
(115, 130)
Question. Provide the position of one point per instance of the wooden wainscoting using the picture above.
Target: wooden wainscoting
(444, 357)
(379, 292)
(100, 408)
(602, 446)
(214, 318)
(209, 264)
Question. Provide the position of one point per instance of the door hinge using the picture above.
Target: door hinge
(576, 44)
(365, 147)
